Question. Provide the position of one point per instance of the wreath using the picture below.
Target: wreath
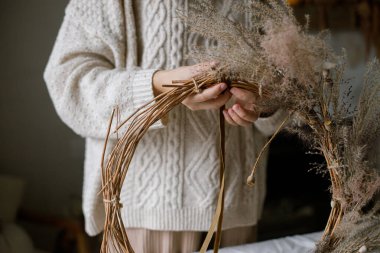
(276, 58)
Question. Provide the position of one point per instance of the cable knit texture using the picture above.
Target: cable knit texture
(105, 56)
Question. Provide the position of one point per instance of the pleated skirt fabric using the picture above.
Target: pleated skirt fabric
(151, 241)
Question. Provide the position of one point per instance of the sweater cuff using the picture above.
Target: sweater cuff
(94, 225)
(142, 92)
(267, 126)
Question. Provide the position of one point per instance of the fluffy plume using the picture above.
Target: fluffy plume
(304, 76)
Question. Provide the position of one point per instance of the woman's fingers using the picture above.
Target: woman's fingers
(237, 119)
(244, 113)
(249, 106)
(209, 104)
(228, 118)
(247, 115)
(237, 115)
(243, 96)
(209, 93)
(217, 102)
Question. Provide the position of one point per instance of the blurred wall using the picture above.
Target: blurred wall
(35, 144)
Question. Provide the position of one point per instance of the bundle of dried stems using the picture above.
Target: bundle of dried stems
(274, 57)
(115, 170)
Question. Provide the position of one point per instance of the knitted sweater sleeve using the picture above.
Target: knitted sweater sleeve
(267, 126)
(87, 73)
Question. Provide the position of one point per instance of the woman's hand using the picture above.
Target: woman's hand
(210, 98)
(244, 112)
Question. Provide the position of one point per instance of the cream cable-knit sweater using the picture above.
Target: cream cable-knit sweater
(105, 55)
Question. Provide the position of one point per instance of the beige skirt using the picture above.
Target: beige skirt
(150, 241)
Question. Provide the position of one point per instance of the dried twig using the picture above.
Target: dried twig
(115, 169)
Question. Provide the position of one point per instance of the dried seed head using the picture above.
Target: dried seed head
(251, 180)
(363, 249)
(327, 124)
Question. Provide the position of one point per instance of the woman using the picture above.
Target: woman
(119, 53)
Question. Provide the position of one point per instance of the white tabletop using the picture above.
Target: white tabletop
(291, 244)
